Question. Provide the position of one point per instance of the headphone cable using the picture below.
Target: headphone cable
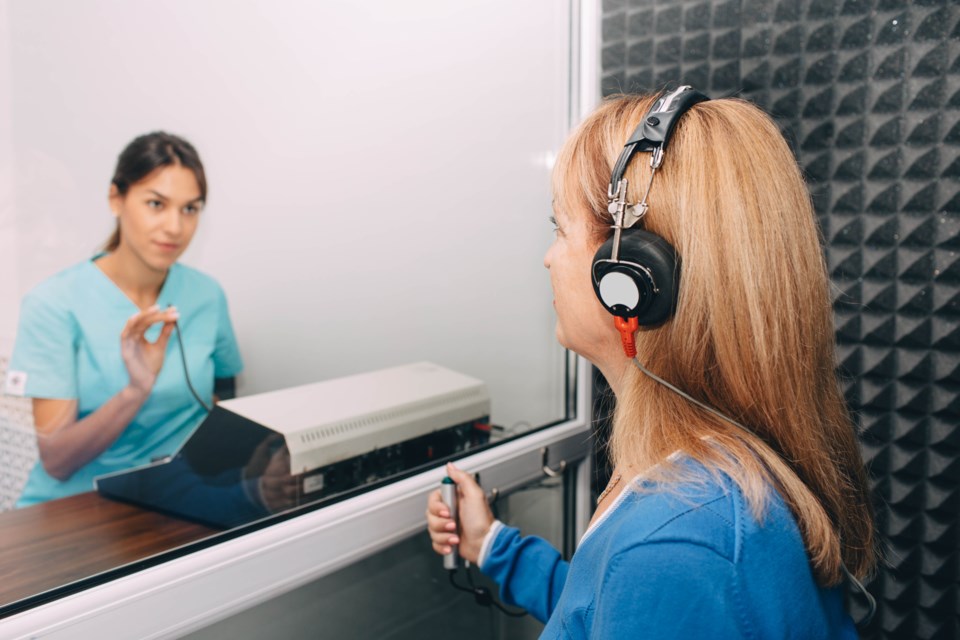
(186, 373)
(871, 601)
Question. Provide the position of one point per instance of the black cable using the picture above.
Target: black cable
(186, 373)
(519, 613)
(513, 614)
(482, 595)
(871, 601)
(451, 573)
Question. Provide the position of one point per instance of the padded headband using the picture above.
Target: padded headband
(657, 127)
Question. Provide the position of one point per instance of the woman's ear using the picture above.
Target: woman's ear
(114, 198)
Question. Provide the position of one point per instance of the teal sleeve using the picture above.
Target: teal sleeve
(530, 572)
(45, 351)
(226, 354)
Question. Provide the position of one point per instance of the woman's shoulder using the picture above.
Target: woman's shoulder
(696, 545)
(197, 281)
(702, 507)
(62, 287)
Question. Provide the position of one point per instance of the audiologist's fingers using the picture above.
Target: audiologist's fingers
(130, 328)
(138, 324)
(164, 338)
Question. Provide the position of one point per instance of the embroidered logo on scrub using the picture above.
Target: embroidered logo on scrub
(16, 384)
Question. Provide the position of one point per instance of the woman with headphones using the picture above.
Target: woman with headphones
(738, 504)
(94, 340)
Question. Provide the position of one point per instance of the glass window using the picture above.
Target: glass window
(374, 194)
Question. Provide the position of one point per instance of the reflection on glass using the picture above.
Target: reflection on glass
(264, 454)
(111, 390)
(340, 251)
(229, 473)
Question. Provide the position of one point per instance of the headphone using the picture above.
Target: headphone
(636, 274)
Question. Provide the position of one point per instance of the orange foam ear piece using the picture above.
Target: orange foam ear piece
(627, 327)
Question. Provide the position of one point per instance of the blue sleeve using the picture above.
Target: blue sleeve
(530, 572)
(44, 360)
(670, 590)
(226, 355)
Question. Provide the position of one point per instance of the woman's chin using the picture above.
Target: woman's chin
(163, 261)
(558, 331)
(570, 345)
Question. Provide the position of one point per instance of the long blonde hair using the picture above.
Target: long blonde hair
(753, 331)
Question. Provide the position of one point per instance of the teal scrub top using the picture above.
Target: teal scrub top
(68, 347)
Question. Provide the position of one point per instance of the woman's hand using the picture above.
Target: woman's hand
(143, 358)
(475, 517)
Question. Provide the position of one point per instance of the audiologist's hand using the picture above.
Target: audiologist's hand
(475, 517)
(143, 358)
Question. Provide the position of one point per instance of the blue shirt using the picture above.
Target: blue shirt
(684, 561)
(68, 347)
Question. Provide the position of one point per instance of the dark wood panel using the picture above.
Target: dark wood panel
(54, 543)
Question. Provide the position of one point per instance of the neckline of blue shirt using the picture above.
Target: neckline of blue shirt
(628, 489)
(162, 297)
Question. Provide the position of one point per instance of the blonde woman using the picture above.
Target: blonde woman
(736, 511)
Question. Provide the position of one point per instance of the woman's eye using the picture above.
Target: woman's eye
(191, 210)
(154, 204)
(557, 231)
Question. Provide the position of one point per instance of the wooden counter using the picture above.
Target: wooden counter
(54, 543)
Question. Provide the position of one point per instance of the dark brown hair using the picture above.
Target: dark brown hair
(144, 155)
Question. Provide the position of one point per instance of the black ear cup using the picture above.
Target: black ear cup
(643, 282)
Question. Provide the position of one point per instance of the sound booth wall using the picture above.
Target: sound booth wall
(868, 94)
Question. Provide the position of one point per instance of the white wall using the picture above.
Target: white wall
(9, 263)
(378, 170)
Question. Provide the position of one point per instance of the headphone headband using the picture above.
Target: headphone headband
(656, 128)
(658, 124)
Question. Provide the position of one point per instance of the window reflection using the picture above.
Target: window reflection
(99, 345)
(378, 199)
(234, 470)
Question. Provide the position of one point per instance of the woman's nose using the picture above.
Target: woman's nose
(172, 223)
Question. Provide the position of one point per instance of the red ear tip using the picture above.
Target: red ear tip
(627, 327)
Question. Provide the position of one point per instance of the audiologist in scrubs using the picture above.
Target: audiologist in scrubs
(95, 347)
